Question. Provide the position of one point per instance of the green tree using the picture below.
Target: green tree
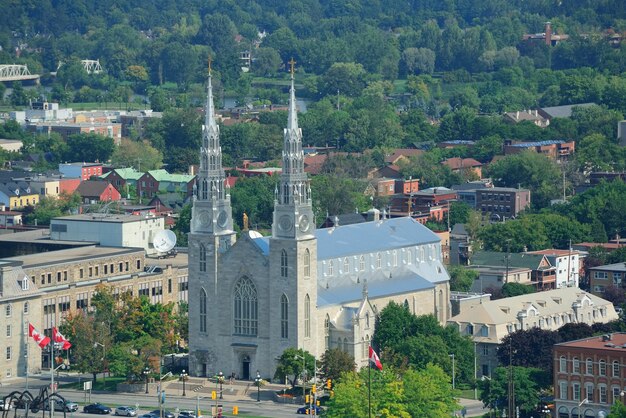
(182, 225)
(255, 197)
(419, 60)
(293, 364)
(128, 152)
(461, 278)
(459, 213)
(335, 362)
(516, 289)
(494, 392)
(347, 78)
(429, 392)
(89, 147)
(529, 169)
(267, 62)
(530, 348)
(618, 410)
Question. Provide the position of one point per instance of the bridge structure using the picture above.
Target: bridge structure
(16, 72)
(92, 66)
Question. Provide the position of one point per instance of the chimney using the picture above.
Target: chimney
(548, 31)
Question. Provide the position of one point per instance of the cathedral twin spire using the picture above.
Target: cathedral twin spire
(211, 179)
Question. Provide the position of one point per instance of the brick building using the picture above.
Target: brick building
(589, 375)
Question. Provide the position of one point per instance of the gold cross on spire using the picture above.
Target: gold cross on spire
(209, 61)
(292, 63)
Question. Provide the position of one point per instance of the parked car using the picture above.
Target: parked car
(5, 405)
(303, 410)
(188, 414)
(67, 406)
(96, 408)
(125, 411)
(149, 415)
(166, 414)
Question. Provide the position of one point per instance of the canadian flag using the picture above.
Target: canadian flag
(60, 338)
(374, 359)
(40, 339)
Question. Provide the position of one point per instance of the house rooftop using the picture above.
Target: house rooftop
(613, 342)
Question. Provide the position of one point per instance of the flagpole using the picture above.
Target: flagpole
(52, 377)
(26, 356)
(369, 388)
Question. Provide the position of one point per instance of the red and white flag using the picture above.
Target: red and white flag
(60, 338)
(39, 338)
(374, 359)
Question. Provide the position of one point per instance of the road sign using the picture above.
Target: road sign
(87, 385)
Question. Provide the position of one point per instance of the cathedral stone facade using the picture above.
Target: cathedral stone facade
(251, 297)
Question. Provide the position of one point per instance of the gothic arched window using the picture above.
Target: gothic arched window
(307, 316)
(283, 263)
(327, 333)
(379, 260)
(202, 257)
(307, 264)
(362, 263)
(284, 317)
(346, 265)
(245, 307)
(202, 310)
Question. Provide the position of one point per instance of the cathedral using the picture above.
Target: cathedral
(251, 297)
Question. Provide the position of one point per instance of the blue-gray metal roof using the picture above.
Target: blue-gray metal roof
(379, 284)
(366, 237)
(537, 143)
(370, 237)
(563, 111)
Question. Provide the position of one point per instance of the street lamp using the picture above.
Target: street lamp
(146, 371)
(303, 374)
(182, 376)
(453, 371)
(584, 401)
(257, 380)
(104, 362)
(220, 379)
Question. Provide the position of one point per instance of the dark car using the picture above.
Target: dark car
(166, 414)
(96, 408)
(303, 410)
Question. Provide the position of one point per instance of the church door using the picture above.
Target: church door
(246, 368)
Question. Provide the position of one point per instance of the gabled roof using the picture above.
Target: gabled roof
(163, 175)
(492, 258)
(457, 163)
(344, 219)
(91, 188)
(545, 304)
(562, 111)
(125, 173)
(402, 152)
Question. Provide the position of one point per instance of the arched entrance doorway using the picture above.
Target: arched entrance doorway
(245, 368)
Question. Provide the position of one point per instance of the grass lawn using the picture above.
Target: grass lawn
(466, 393)
(111, 384)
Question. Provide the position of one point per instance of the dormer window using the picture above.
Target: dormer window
(25, 283)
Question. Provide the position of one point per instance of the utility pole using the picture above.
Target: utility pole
(506, 260)
(511, 396)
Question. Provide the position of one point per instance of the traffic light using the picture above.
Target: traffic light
(329, 384)
(313, 389)
(235, 410)
(306, 399)
(307, 411)
(317, 403)
(213, 395)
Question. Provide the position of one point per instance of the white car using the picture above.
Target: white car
(5, 406)
(126, 411)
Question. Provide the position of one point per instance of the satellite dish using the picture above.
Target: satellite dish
(164, 241)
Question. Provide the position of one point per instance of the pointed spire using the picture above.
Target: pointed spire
(209, 120)
(292, 123)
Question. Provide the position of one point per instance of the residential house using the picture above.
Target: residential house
(501, 203)
(92, 191)
(169, 203)
(589, 375)
(547, 36)
(561, 111)
(488, 322)
(459, 143)
(554, 149)
(601, 277)
(388, 171)
(381, 187)
(160, 181)
(17, 195)
(402, 155)
(83, 171)
(460, 245)
(568, 265)
(432, 203)
(68, 186)
(343, 219)
(596, 177)
(45, 185)
(607, 246)
(532, 116)
(134, 122)
(9, 218)
(543, 274)
(123, 178)
(464, 166)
